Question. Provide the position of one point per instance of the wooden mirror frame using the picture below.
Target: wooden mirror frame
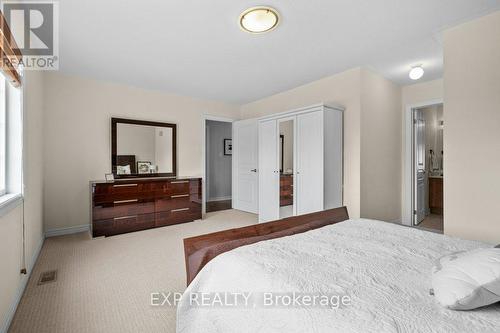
(114, 143)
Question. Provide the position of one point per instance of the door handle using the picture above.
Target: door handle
(179, 210)
(253, 170)
(125, 201)
(180, 182)
(125, 217)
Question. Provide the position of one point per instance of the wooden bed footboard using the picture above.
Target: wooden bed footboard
(200, 250)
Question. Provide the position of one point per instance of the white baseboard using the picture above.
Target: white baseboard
(219, 199)
(67, 231)
(21, 288)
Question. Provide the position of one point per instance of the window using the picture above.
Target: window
(11, 145)
(11, 121)
(3, 137)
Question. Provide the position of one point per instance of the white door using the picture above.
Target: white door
(419, 167)
(309, 174)
(245, 181)
(269, 205)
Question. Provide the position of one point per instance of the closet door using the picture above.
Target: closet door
(269, 175)
(310, 190)
(245, 182)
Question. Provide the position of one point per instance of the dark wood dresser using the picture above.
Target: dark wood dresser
(436, 195)
(286, 189)
(136, 204)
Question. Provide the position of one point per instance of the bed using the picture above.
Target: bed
(383, 268)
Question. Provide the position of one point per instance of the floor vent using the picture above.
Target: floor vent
(47, 277)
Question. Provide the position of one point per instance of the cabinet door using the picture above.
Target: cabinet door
(268, 171)
(310, 161)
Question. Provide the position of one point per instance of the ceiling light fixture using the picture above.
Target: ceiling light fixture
(257, 20)
(416, 73)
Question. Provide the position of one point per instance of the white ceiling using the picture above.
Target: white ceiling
(195, 47)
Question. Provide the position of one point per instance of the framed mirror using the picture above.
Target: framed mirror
(143, 148)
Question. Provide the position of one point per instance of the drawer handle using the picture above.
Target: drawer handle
(179, 210)
(180, 196)
(125, 217)
(180, 182)
(125, 185)
(125, 201)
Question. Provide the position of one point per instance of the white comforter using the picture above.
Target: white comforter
(384, 268)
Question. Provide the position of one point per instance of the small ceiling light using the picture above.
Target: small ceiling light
(416, 73)
(258, 20)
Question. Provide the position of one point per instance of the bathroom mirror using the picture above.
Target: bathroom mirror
(143, 148)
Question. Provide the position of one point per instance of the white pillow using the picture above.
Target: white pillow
(468, 280)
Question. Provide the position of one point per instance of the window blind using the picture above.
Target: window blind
(10, 55)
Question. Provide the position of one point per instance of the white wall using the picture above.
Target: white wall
(11, 245)
(472, 129)
(422, 92)
(77, 137)
(219, 166)
(381, 166)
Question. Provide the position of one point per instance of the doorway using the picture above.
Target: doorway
(427, 167)
(218, 165)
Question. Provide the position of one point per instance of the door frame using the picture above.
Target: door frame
(204, 119)
(408, 170)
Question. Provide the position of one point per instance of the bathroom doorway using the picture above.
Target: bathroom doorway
(427, 162)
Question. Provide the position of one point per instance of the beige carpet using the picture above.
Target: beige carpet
(104, 285)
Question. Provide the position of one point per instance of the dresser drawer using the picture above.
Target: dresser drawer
(123, 188)
(179, 215)
(178, 187)
(123, 224)
(176, 201)
(110, 193)
(118, 208)
(174, 187)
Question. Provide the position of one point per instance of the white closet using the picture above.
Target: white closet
(317, 161)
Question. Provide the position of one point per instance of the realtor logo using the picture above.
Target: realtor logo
(35, 28)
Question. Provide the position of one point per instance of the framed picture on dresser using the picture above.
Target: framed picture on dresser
(143, 167)
(228, 147)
